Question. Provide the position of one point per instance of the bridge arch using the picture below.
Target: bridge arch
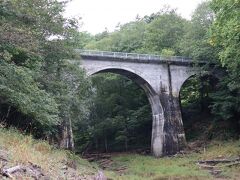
(153, 98)
(161, 78)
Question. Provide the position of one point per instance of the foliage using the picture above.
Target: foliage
(226, 31)
(225, 34)
(129, 38)
(164, 32)
(195, 43)
(158, 33)
(120, 116)
(19, 89)
(36, 80)
(71, 90)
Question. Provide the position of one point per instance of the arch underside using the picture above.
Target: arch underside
(150, 92)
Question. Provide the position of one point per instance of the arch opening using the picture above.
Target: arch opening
(194, 103)
(156, 108)
(123, 107)
(151, 94)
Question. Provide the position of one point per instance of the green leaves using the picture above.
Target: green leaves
(163, 31)
(120, 114)
(18, 89)
(195, 43)
(35, 77)
(225, 34)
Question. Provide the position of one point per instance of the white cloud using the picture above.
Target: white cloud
(98, 14)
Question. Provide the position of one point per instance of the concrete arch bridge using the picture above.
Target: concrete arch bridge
(161, 78)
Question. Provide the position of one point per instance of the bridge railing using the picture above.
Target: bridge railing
(137, 56)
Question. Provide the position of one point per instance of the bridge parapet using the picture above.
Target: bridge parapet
(143, 57)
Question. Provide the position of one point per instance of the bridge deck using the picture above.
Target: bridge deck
(144, 57)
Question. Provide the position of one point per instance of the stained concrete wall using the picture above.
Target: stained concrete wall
(162, 82)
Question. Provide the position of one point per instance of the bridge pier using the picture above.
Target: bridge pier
(174, 136)
(157, 125)
(168, 135)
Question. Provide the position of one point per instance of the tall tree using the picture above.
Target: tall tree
(35, 42)
(164, 32)
(195, 43)
(225, 34)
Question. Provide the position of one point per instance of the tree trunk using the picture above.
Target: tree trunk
(63, 141)
(106, 144)
(70, 135)
(126, 144)
(201, 90)
(96, 144)
(8, 112)
(66, 138)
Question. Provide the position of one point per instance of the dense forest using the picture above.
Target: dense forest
(46, 95)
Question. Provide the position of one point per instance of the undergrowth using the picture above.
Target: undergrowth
(177, 167)
(23, 149)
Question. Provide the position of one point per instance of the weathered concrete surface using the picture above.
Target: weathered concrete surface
(162, 82)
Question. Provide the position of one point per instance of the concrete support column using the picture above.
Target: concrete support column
(157, 126)
(168, 135)
(157, 135)
(174, 136)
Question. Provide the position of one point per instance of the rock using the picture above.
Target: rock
(100, 176)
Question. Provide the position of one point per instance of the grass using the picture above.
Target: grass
(180, 167)
(220, 149)
(23, 149)
(147, 167)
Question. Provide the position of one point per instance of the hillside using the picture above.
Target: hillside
(36, 159)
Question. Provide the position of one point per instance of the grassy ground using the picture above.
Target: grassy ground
(18, 149)
(140, 167)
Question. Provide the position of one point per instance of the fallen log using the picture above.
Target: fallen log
(232, 164)
(3, 159)
(216, 161)
(206, 166)
(9, 171)
(214, 166)
(91, 159)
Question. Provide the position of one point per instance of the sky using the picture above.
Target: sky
(100, 14)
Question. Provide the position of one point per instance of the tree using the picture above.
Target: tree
(129, 38)
(225, 34)
(19, 91)
(120, 116)
(24, 30)
(35, 43)
(195, 43)
(164, 32)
